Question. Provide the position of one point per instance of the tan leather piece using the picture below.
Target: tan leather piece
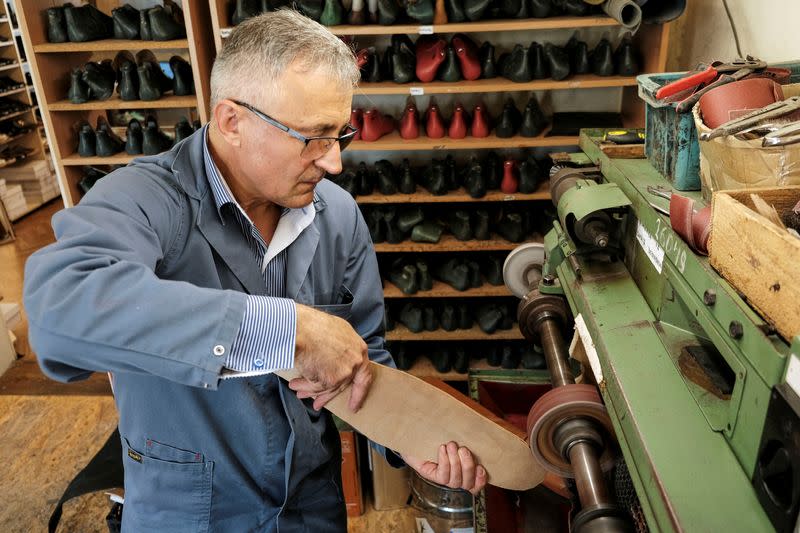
(412, 417)
(732, 100)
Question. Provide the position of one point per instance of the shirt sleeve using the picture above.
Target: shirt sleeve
(266, 338)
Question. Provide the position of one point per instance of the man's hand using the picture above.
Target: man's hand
(329, 355)
(455, 468)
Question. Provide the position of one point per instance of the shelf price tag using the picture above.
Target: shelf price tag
(425, 30)
(416, 91)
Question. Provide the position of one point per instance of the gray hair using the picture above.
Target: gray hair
(259, 50)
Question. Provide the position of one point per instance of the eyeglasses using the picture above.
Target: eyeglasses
(315, 147)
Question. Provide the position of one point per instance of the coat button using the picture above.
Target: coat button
(219, 350)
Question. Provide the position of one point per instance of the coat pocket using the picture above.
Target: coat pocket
(166, 489)
(343, 308)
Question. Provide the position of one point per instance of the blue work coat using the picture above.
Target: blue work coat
(144, 281)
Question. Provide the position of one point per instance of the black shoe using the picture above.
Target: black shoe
(375, 225)
(167, 23)
(388, 320)
(492, 171)
(100, 78)
(243, 10)
(404, 59)
(441, 360)
(436, 179)
(455, 11)
(460, 361)
(510, 227)
(371, 72)
(154, 140)
(465, 319)
(529, 174)
(460, 226)
(126, 22)
(134, 138)
(510, 358)
(578, 56)
(424, 276)
(387, 183)
(426, 232)
(410, 218)
(145, 31)
(87, 23)
(411, 317)
(557, 60)
(449, 71)
(603, 59)
(493, 270)
(486, 56)
(474, 9)
(393, 234)
(347, 181)
(475, 279)
(531, 359)
(127, 77)
(420, 10)
(509, 120)
(365, 180)
(87, 141)
(404, 276)
(448, 319)
(107, 142)
(311, 8)
(450, 173)
(516, 67)
(78, 90)
(533, 120)
(388, 12)
(494, 355)
(183, 130)
(153, 83)
(182, 79)
(429, 319)
(540, 68)
(489, 318)
(406, 183)
(474, 182)
(455, 273)
(332, 13)
(573, 8)
(90, 176)
(481, 226)
(626, 62)
(56, 25)
(403, 359)
(541, 8)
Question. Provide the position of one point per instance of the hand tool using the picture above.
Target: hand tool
(624, 136)
(778, 109)
(788, 134)
(708, 75)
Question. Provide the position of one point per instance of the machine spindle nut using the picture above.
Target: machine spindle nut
(736, 329)
(710, 297)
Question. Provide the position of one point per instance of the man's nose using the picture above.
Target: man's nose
(331, 161)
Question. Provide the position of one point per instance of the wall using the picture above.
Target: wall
(768, 30)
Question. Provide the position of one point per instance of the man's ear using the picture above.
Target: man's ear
(226, 117)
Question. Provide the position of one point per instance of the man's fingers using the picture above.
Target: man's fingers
(467, 469)
(455, 466)
(443, 466)
(480, 480)
(361, 385)
(306, 385)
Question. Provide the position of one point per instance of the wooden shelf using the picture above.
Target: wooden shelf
(582, 81)
(393, 141)
(443, 290)
(111, 45)
(15, 115)
(458, 196)
(13, 91)
(6, 43)
(449, 243)
(117, 159)
(402, 333)
(115, 102)
(549, 23)
(9, 67)
(16, 138)
(423, 368)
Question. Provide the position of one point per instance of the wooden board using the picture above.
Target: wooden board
(757, 257)
(623, 151)
(414, 418)
(393, 141)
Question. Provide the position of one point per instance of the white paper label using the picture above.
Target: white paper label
(653, 250)
(416, 91)
(588, 347)
(793, 374)
(225, 33)
(426, 30)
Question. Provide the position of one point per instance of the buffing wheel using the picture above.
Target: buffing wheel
(557, 406)
(522, 269)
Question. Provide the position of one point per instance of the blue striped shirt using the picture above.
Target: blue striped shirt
(266, 338)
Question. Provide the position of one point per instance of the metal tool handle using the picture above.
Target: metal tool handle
(692, 80)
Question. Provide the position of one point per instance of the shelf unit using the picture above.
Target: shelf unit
(31, 139)
(652, 42)
(51, 64)
(402, 333)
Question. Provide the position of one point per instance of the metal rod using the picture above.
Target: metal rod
(555, 353)
(588, 475)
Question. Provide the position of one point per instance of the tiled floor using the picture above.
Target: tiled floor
(50, 430)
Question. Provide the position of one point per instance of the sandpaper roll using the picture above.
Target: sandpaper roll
(694, 226)
(626, 12)
(732, 100)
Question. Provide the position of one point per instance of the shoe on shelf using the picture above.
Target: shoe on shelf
(603, 59)
(90, 176)
(388, 12)
(369, 65)
(557, 61)
(447, 318)
(183, 130)
(541, 8)
(493, 270)
(421, 10)
(510, 227)
(474, 9)
(332, 13)
(540, 68)
(365, 180)
(510, 182)
(167, 22)
(100, 78)
(516, 66)
(403, 358)
(529, 175)
(153, 83)
(489, 318)
(375, 225)
(468, 56)
(182, 78)
(390, 218)
(533, 120)
(347, 181)
(434, 122)
(458, 124)
(411, 317)
(154, 141)
(578, 56)
(134, 138)
(480, 228)
(429, 319)
(486, 58)
(455, 10)
(87, 140)
(474, 183)
(406, 184)
(358, 14)
(145, 31)
(124, 65)
(532, 359)
(78, 90)
(56, 25)
(357, 121)
(455, 273)
(404, 276)
(431, 53)
(126, 22)
(404, 59)
(509, 120)
(459, 225)
(427, 231)
(410, 218)
(386, 180)
(376, 125)
(449, 71)
(108, 143)
(435, 178)
(510, 358)
(424, 275)
(409, 122)
(626, 62)
(87, 23)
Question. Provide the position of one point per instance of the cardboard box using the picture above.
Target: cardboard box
(351, 482)
(390, 488)
(758, 257)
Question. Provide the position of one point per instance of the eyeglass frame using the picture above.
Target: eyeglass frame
(348, 137)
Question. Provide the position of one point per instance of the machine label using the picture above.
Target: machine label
(650, 246)
(588, 348)
(671, 243)
(793, 374)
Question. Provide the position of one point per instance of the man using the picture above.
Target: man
(192, 275)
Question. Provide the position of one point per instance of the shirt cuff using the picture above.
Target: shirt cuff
(266, 338)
